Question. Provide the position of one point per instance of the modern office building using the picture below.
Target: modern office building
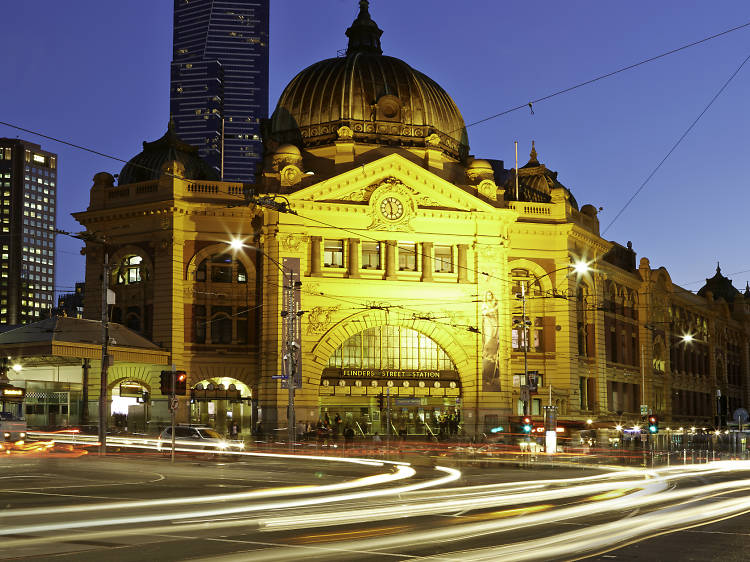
(219, 81)
(28, 185)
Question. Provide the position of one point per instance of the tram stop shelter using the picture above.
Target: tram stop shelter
(58, 363)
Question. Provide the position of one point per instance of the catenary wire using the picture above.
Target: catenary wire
(675, 145)
(607, 75)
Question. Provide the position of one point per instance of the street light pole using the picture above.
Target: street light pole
(290, 315)
(105, 357)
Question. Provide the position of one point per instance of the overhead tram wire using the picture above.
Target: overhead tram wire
(521, 106)
(516, 108)
(676, 144)
(607, 75)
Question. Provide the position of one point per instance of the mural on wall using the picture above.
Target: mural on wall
(490, 343)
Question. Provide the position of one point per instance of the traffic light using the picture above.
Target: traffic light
(653, 424)
(527, 425)
(180, 383)
(166, 383)
(380, 401)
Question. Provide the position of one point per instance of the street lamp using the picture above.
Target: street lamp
(580, 267)
(290, 315)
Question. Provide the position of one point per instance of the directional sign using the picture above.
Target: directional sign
(525, 394)
(278, 377)
(644, 409)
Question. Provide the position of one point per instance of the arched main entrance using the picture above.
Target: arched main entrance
(390, 370)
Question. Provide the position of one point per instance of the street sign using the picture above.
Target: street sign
(644, 409)
(525, 394)
(532, 378)
(173, 403)
(278, 377)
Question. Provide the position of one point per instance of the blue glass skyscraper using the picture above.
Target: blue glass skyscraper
(219, 81)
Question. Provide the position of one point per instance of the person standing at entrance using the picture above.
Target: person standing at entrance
(234, 431)
(336, 425)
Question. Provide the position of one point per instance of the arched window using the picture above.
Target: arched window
(524, 286)
(221, 268)
(391, 347)
(133, 318)
(221, 324)
(129, 271)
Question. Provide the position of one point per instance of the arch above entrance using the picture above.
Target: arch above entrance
(338, 334)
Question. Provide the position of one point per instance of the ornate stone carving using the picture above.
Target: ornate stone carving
(488, 189)
(319, 318)
(290, 175)
(432, 141)
(488, 253)
(361, 194)
(392, 187)
(345, 133)
(426, 201)
(293, 242)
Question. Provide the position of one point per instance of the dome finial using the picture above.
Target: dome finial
(718, 269)
(364, 34)
(533, 156)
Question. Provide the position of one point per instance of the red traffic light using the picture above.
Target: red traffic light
(527, 420)
(181, 376)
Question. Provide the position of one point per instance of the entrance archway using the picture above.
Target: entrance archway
(220, 402)
(390, 379)
(129, 405)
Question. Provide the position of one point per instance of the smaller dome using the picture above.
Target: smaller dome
(589, 210)
(148, 164)
(480, 164)
(720, 287)
(288, 150)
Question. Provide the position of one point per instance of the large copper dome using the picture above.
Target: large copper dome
(381, 99)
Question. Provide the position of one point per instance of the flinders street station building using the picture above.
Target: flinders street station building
(385, 268)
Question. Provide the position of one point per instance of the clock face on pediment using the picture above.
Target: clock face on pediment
(392, 208)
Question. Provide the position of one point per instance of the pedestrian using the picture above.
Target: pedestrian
(337, 425)
(234, 431)
(348, 436)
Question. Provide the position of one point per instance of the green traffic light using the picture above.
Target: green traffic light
(653, 428)
(527, 428)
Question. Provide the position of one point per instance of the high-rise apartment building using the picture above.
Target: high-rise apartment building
(28, 186)
(219, 81)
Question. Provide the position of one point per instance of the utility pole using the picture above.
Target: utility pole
(173, 405)
(105, 356)
(290, 315)
(527, 401)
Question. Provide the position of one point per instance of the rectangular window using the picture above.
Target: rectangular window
(407, 256)
(443, 259)
(333, 253)
(370, 255)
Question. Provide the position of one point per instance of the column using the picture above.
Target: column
(427, 261)
(390, 260)
(353, 257)
(315, 242)
(462, 263)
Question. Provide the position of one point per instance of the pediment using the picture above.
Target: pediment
(392, 172)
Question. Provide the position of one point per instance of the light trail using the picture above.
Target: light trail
(598, 536)
(401, 470)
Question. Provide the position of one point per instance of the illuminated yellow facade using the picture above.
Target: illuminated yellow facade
(424, 272)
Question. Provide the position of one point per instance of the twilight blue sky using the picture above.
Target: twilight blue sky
(96, 73)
